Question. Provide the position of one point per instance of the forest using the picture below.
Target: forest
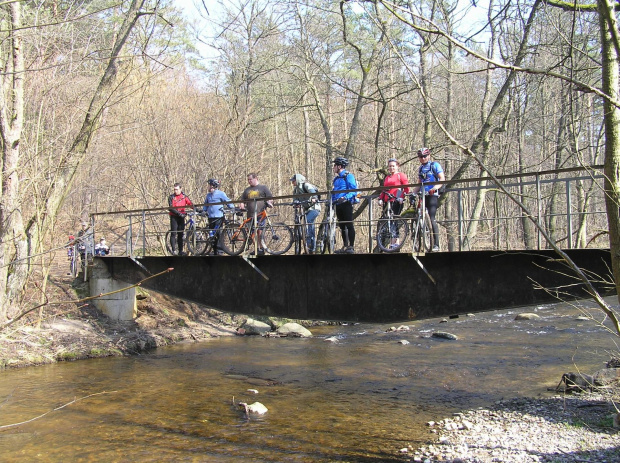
(105, 105)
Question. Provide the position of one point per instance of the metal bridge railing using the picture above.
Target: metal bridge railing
(569, 203)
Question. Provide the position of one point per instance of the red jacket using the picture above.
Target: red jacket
(178, 203)
(393, 180)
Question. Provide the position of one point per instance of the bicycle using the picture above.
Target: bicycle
(326, 237)
(392, 230)
(276, 238)
(420, 223)
(300, 228)
(72, 253)
(194, 236)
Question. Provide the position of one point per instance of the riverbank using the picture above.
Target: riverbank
(72, 331)
(559, 429)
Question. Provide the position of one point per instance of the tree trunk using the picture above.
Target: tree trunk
(611, 80)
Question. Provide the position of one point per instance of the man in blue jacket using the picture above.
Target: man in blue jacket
(344, 180)
(215, 210)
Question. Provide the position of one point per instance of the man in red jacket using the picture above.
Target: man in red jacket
(177, 202)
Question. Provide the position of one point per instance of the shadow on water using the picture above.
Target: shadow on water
(359, 399)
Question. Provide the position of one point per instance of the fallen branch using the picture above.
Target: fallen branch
(7, 426)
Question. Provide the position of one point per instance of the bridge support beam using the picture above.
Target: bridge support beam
(118, 306)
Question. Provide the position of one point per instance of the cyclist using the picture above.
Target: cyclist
(310, 204)
(70, 246)
(394, 178)
(85, 241)
(344, 180)
(177, 201)
(215, 212)
(428, 173)
(249, 197)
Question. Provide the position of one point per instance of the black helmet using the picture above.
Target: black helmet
(214, 183)
(340, 161)
(424, 152)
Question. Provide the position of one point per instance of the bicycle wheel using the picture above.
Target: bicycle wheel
(277, 237)
(326, 238)
(73, 267)
(197, 241)
(297, 239)
(169, 250)
(389, 231)
(427, 238)
(232, 239)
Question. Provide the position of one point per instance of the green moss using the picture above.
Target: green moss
(67, 356)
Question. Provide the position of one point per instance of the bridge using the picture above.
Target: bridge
(364, 287)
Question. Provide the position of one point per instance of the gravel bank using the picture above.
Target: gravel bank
(558, 429)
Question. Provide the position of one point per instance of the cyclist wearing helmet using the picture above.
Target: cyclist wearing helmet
(311, 207)
(430, 172)
(215, 209)
(344, 180)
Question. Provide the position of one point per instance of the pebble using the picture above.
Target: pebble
(559, 429)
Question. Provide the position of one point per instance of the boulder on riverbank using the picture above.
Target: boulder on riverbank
(294, 330)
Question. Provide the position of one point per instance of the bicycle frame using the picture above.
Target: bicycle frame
(420, 224)
(392, 230)
(300, 229)
(326, 237)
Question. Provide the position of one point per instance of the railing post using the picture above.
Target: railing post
(569, 221)
(129, 239)
(370, 225)
(459, 208)
(143, 233)
(539, 212)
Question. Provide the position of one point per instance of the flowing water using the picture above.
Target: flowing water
(359, 399)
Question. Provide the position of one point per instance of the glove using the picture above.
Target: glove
(380, 202)
(400, 200)
(182, 214)
(431, 192)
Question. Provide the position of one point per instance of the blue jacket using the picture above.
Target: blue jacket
(429, 174)
(344, 181)
(217, 210)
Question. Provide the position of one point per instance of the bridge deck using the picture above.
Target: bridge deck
(381, 288)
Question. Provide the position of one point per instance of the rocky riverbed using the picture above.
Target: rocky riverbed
(562, 428)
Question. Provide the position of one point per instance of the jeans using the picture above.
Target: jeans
(311, 216)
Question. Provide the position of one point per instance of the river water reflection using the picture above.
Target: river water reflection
(360, 399)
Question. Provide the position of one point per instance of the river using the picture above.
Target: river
(359, 399)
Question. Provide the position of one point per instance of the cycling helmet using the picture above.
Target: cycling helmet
(214, 183)
(340, 161)
(424, 152)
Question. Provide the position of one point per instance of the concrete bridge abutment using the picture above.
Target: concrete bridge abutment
(118, 301)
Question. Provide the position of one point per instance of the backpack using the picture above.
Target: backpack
(305, 188)
(434, 164)
(356, 199)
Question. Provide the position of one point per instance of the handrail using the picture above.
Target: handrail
(379, 187)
